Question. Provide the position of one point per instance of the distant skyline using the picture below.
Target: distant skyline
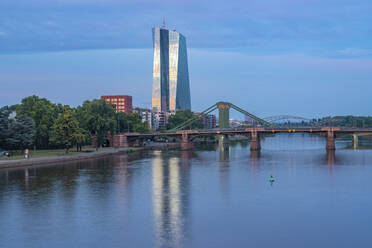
(309, 58)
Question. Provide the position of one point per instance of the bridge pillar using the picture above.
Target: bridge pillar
(223, 114)
(186, 143)
(120, 140)
(330, 144)
(255, 140)
(355, 141)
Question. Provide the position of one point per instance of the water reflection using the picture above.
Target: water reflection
(330, 157)
(224, 152)
(170, 198)
(147, 201)
(124, 179)
(255, 155)
(224, 168)
(26, 178)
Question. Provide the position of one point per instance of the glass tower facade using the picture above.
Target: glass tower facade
(171, 86)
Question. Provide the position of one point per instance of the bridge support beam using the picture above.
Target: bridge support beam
(223, 114)
(186, 143)
(355, 141)
(330, 144)
(255, 140)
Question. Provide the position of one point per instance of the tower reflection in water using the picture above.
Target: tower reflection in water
(171, 182)
(224, 155)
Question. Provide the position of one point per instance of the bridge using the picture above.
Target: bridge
(264, 127)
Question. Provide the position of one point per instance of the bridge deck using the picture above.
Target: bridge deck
(258, 130)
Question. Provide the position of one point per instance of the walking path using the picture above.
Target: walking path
(81, 156)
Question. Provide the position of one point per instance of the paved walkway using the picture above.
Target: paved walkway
(81, 156)
(59, 158)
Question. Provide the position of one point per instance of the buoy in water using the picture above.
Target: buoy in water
(272, 179)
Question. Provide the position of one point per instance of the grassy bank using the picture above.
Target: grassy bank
(44, 153)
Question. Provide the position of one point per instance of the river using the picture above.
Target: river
(207, 197)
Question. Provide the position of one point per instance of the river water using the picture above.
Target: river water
(208, 197)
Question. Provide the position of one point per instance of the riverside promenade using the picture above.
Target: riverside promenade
(63, 158)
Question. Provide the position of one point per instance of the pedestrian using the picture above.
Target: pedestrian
(26, 153)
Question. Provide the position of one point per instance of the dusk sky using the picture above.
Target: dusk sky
(309, 58)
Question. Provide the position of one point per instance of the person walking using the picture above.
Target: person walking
(26, 153)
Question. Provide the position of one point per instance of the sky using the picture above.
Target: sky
(308, 58)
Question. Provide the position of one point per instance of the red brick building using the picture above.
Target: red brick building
(123, 102)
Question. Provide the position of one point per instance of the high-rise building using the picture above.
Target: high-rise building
(171, 87)
(123, 103)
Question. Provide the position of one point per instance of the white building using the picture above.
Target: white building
(145, 114)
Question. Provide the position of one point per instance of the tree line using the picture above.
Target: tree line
(38, 123)
(348, 121)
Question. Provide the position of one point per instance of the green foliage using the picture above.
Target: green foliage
(141, 127)
(131, 123)
(65, 130)
(97, 117)
(44, 113)
(15, 133)
(4, 126)
(22, 132)
(181, 116)
(346, 121)
(47, 125)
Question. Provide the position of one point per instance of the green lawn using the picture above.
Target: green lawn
(44, 153)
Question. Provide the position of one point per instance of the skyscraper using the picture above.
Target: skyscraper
(171, 87)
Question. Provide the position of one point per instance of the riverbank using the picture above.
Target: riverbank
(62, 158)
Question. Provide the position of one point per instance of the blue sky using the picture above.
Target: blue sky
(310, 58)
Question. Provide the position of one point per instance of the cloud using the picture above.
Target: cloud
(314, 27)
(355, 52)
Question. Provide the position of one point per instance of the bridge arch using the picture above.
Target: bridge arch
(223, 114)
(275, 118)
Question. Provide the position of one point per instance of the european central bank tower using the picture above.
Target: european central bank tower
(171, 86)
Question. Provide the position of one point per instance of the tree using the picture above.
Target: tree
(181, 116)
(15, 132)
(65, 130)
(22, 132)
(131, 123)
(4, 127)
(141, 127)
(98, 117)
(43, 112)
(81, 138)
